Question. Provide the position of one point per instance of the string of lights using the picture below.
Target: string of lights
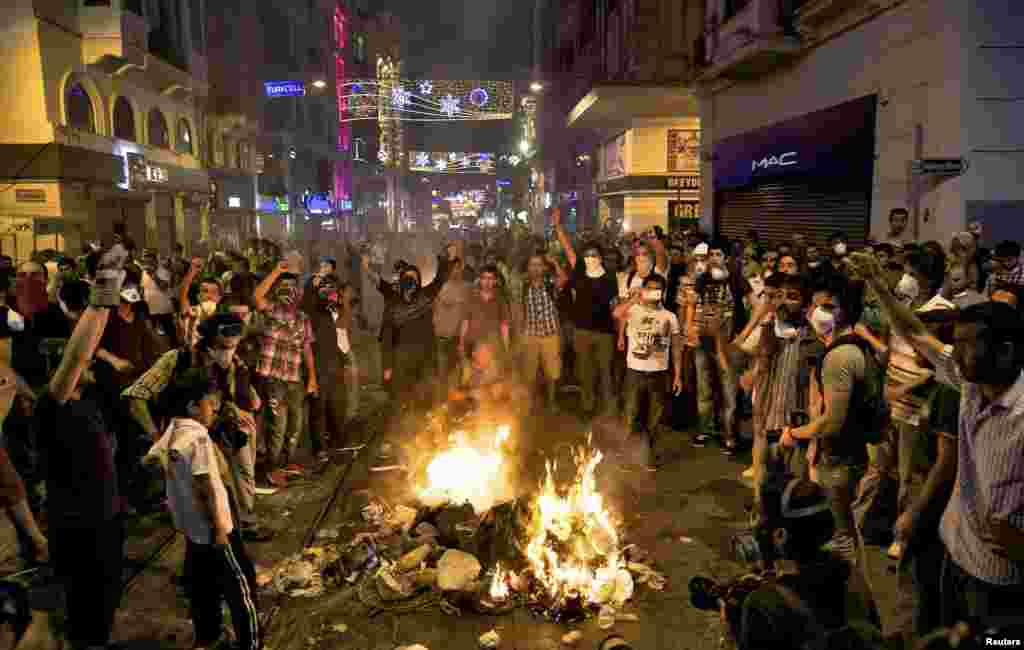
(425, 101)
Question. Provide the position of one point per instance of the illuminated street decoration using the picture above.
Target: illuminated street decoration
(391, 98)
(400, 97)
(479, 97)
(451, 162)
(450, 105)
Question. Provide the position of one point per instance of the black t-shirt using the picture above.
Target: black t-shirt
(592, 309)
(79, 448)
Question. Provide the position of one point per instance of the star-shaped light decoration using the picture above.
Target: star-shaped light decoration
(426, 88)
(423, 159)
(382, 155)
(450, 105)
(453, 157)
(400, 97)
(442, 164)
(514, 160)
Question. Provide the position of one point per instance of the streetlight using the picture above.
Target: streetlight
(536, 87)
(320, 83)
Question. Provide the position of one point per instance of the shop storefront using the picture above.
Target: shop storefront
(273, 219)
(642, 202)
(178, 205)
(811, 175)
(57, 209)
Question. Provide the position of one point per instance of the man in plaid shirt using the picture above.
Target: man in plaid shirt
(287, 346)
(1007, 272)
(542, 342)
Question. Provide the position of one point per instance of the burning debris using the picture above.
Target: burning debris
(557, 551)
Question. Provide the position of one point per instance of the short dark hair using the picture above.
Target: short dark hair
(75, 295)
(786, 281)
(1003, 321)
(592, 246)
(235, 300)
(330, 260)
(931, 266)
(657, 278)
(1007, 248)
(287, 276)
(838, 235)
(806, 534)
(903, 211)
(490, 268)
(884, 248)
(189, 387)
(209, 328)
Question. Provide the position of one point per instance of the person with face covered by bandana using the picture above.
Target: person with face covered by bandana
(216, 349)
(331, 351)
(408, 336)
(208, 294)
(594, 287)
(287, 351)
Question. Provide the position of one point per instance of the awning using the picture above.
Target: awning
(621, 106)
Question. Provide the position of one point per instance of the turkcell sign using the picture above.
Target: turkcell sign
(285, 88)
(768, 162)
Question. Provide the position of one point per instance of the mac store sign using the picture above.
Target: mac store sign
(811, 174)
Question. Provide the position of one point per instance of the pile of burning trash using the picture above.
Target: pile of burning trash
(557, 551)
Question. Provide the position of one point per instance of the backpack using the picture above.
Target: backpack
(868, 403)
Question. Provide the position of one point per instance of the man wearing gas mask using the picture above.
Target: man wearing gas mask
(810, 594)
(216, 348)
(716, 302)
(407, 334)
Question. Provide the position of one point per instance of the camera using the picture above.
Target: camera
(707, 595)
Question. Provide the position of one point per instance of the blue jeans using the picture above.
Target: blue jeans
(285, 403)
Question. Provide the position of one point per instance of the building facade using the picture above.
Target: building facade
(821, 115)
(619, 132)
(102, 105)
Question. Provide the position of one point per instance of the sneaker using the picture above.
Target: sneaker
(895, 551)
(748, 473)
(730, 448)
(700, 440)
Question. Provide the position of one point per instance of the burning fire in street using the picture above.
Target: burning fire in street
(573, 548)
(469, 471)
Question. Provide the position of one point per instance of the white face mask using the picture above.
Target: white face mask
(785, 330)
(15, 321)
(222, 358)
(840, 249)
(593, 266)
(652, 295)
(719, 274)
(908, 288)
(815, 264)
(756, 285)
(823, 322)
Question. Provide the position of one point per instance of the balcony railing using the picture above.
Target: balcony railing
(761, 35)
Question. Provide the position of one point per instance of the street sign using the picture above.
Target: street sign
(939, 166)
(284, 88)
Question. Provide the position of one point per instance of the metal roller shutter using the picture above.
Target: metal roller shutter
(777, 211)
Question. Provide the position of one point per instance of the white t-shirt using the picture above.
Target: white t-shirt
(343, 342)
(636, 283)
(191, 453)
(650, 333)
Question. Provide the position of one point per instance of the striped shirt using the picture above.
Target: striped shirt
(990, 475)
(541, 312)
(1011, 279)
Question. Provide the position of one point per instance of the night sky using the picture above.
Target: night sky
(486, 39)
(469, 39)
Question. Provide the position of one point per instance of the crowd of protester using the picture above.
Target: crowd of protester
(878, 391)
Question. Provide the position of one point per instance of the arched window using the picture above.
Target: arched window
(157, 129)
(124, 120)
(243, 155)
(183, 143)
(79, 108)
